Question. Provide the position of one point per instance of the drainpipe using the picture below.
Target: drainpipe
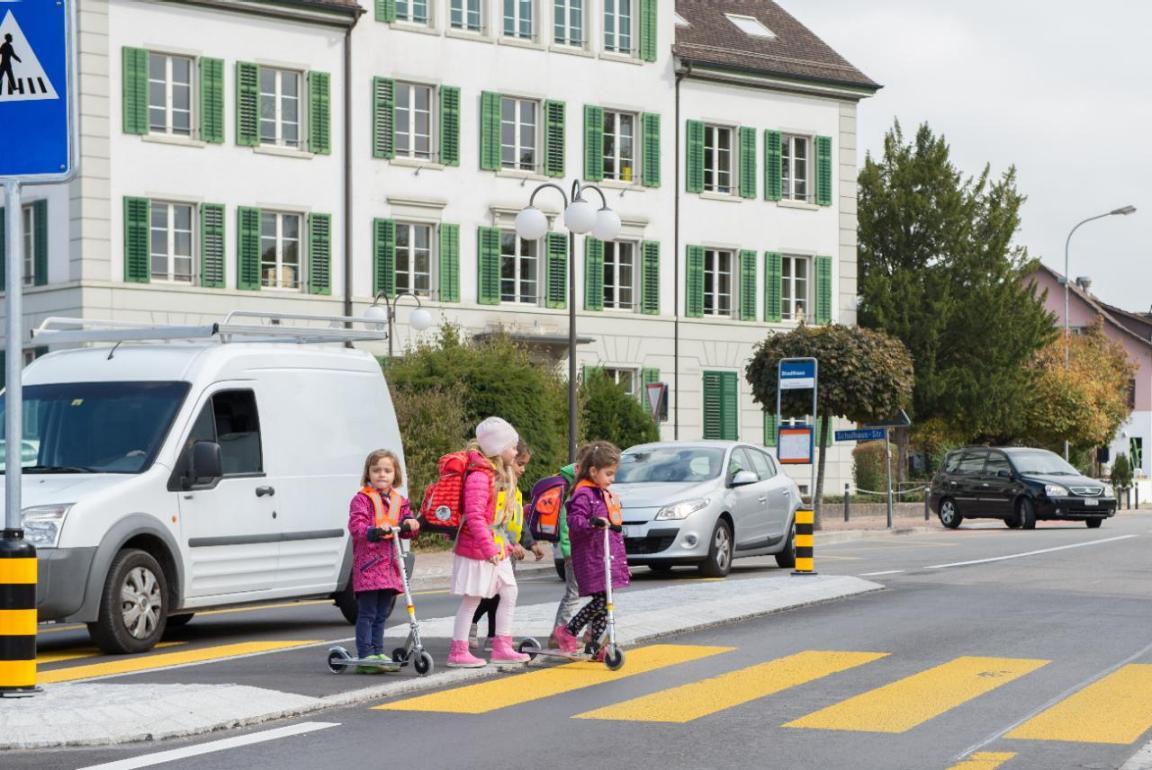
(348, 169)
(676, 272)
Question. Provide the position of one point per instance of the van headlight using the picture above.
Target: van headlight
(1055, 490)
(42, 524)
(681, 510)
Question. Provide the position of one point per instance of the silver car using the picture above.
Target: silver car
(705, 503)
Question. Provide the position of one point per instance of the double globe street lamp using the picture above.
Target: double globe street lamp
(420, 319)
(581, 218)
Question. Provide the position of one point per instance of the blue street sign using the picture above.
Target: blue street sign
(797, 375)
(864, 434)
(35, 89)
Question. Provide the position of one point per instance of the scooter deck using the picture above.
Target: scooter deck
(553, 653)
(389, 665)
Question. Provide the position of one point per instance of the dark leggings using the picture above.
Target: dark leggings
(594, 615)
(488, 607)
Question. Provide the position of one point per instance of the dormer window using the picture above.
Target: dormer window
(751, 26)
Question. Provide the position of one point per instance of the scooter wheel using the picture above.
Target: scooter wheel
(613, 658)
(399, 655)
(530, 647)
(337, 661)
(424, 664)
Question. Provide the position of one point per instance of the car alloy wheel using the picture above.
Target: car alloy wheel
(949, 516)
(719, 559)
(141, 602)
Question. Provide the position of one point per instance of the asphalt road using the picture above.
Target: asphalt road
(981, 631)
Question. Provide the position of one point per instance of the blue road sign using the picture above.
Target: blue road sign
(797, 375)
(35, 89)
(864, 434)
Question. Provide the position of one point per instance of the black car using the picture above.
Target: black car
(1019, 485)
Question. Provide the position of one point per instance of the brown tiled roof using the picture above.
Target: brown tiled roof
(795, 52)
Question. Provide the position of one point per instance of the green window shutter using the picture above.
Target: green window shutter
(694, 283)
(650, 277)
(40, 242)
(449, 273)
(490, 132)
(730, 400)
(823, 290)
(695, 157)
(319, 113)
(769, 428)
(747, 162)
(773, 183)
(648, 30)
(593, 274)
(773, 276)
(647, 377)
(554, 139)
(212, 245)
(212, 100)
(134, 77)
(248, 248)
(488, 266)
(386, 11)
(247, 104)
(319, 253)
(713, 406)
(593, 143)
(384, 257)
(383, 118)
(450, 125)
(137, 245)
(3, 257)
(747, 285)
(650, 149)
(824, 170)
(556, 292)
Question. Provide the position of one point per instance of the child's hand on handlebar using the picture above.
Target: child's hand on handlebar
(376, 534)
(411, 525)
(599, 522)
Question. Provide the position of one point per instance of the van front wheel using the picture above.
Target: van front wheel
(133, 606)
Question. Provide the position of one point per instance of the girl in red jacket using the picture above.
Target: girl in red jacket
(377, 514)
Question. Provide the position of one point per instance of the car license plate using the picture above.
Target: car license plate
(632, 531)
(1091, 503)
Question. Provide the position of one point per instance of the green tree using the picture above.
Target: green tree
(611, 414)
(1121, 472)
(864, 376)
(939, 271)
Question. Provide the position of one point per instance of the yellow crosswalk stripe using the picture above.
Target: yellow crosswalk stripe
(700, 699)
(80, 653)
(163, 660)
(515, 690)
(904, 704)
(1116, 709)
(984, 760)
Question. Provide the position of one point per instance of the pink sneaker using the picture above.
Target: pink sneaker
(565, 641)
(459, 657)
(502, 651)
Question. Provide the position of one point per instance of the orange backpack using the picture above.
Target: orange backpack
(546, 507)
(442, 509)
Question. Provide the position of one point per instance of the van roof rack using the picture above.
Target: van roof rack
(237, 326)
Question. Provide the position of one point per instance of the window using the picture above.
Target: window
(169, 94)
(718, 269)
(996, 463)
(280, 107)
(467, 15)
(413, 121)
(279, 250)
(618, 26)
(619, 275)
(414, 259)
(171, 241)
(230, 420)
(794, 174)
(750, 26)
(719, 159)
(627, 379)
(620, 146)
(29, 215)
(972, 463)
(765, 466)
(413, 11)
(1136, 452)
(568, 22)
(794, 285)
(518, 21)
(519, 268)
(519, 133)
(1131, 389)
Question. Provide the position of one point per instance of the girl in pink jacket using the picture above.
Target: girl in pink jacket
(377, 514)
(483, 567)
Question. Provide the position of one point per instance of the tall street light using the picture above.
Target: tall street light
(420, 319)
(1122, 211)
(580, 217)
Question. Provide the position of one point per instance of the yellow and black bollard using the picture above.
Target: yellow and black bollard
(805, 559)
(17, 614)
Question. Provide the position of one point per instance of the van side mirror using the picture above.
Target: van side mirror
(1004, 474)
(206, 462)
(744, 478)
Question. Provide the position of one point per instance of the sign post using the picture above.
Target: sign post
(38, 112)
(798, 374)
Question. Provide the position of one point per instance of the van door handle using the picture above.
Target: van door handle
(262, 491)
(761, 499)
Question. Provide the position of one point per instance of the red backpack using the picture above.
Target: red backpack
(442, 509)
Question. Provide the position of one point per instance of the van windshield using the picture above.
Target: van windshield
(94, 427)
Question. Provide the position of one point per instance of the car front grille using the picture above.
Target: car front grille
(635, 546)
(1087, 491)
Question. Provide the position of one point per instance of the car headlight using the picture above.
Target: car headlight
(42, 524)
(682, 509)
(1109, 491)
(1055, 490)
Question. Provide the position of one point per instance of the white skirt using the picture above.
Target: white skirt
(473, 577)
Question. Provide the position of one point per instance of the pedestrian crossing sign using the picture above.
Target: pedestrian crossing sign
(22, 78)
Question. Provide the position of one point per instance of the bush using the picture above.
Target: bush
(611, 414)
(1121, 472)
(868, 466)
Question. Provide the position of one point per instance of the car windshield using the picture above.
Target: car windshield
(678, 464)
(94, 427)
(1042, 463)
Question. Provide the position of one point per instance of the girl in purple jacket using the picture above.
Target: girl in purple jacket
(376, 515)
(589, 515)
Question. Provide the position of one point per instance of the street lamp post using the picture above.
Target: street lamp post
(420, 319)
(580, 217)
(1122, 211)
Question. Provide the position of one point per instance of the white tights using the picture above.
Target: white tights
(504, 613)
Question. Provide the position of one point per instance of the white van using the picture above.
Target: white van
(176, 476)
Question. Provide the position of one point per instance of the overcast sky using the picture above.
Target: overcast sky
(1062, 90)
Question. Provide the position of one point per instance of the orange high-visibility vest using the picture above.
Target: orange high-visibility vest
(615, 511)
(389, 517)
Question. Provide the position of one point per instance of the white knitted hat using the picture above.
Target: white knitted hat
(495, 435)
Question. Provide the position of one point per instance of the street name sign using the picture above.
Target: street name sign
(797, 375)
(863, 434)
